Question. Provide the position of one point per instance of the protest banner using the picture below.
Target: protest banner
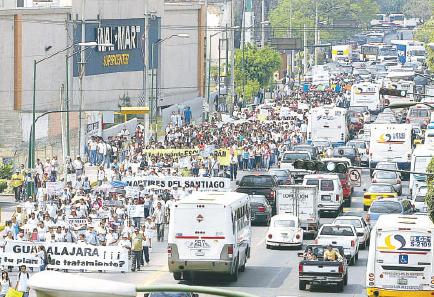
(54, 188)
(201, 183)
(223, 155)
(64, 255)
(77, 224)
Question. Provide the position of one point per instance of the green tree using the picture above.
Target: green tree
(391, 6)
(429, 198)
(330, 13)
(256, 69)
(419, 9)
(425, 33)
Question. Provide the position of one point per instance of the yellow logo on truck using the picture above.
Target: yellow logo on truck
(388, 246)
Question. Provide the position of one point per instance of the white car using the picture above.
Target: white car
(419, 200)
(340, 235)
(284, 231)
(362, 228)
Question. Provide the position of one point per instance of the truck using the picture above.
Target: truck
(319, 272)
(391, 143)
(259, 184)
(341, 52)
(302, 202)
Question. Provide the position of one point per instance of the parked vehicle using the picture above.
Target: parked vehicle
(341, 235)
(287, 162)
(348, 152)
(224, 242)
(284, 231)
(259, 184)
(362, 228)
(330, 193)
(261, 210)
(313, 269)
(419, 202)
(302, 202)
(400, 260)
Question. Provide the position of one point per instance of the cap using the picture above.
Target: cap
(136, 229)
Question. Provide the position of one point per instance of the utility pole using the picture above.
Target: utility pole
(243, 36)
(316, 35)
(289, 58)
(232, 58)
(145, 71)
(81, 132)
(263, 24)
(305, 50)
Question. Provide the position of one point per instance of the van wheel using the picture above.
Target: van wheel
(346, 279)
(352, 261)
(340, 286)
(302, 285)
(177, 276)
(233, 277)
(243, 267)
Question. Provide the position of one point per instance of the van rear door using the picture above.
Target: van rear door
(201, 230)
(403, 260)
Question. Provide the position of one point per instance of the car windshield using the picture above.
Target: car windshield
(391, 166)
(380, 189)
(284, 223)
(279, 172)
(354, 222)
(337, 231)
(321, 143)
(257, 181)
(295, 156)
(386, 207)
(419, 113)
(258, 199)
(419, 199)
(385, 175)
(357, 144)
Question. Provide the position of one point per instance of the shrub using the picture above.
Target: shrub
(6, 171)
(3, 185)
(429, 199)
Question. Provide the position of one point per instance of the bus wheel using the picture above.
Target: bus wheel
(233, 277)
(177, 276)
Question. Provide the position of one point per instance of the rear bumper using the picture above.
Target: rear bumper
(372, 292)
(275, 243)
(321, 280)
(260, 218)
(325, 208)
(218, 266)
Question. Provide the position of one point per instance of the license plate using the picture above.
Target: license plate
(199, 244)
(402, 281)
(284, 235)
(326, 198)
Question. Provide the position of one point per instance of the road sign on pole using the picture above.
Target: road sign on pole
(355, 176)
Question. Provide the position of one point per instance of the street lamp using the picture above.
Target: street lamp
(155, 99)
(32, 142)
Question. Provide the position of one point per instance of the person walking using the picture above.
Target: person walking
(5, 284)
(42, 254)
(159, 221)
(136, 248)
(17, 182)
(22, 284)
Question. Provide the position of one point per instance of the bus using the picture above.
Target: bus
(394, 81)
(400, 259)
(420, 159)
(397, 19)
(366, 94)
(375, 37)
(209, 232)
(387, 53)
(328, 122)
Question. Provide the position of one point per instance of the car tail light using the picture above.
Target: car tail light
(353, 243)
(230, 250)
(297, 236)
(300, 268)
(398, 181)
(261, 209)
(337, 197)
(169, 251)
(341, 268)
(270, 236)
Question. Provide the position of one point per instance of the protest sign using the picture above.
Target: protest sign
(202, 183)
(54, 188)
(77, 224)
(136, 211)
(64, 255)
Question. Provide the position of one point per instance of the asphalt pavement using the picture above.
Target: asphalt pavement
(268, 273)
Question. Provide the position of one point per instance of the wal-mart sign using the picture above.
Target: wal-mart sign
(125, 54)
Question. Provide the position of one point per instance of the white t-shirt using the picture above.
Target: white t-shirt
(23, 279)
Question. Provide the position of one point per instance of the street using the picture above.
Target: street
(268, 272)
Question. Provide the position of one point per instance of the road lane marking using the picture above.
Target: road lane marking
(153, 277)
(261, 242)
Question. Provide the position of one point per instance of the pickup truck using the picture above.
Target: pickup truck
(260, 184)
(340, 235)
(316, 271)
(287, 162)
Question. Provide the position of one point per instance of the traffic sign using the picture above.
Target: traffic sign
(355, 176)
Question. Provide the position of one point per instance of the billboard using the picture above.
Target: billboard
(126, 52)
(402, 53)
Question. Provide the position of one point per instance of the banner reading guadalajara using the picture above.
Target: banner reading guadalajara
(65, 255)
(201, 183)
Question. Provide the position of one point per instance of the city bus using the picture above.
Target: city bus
(328, 122)
(400, 259)
(209, 232)
(366, 94)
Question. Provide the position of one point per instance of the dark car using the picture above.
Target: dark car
(284, 176)
(260, 184)
(261, 211)
(314, 152)
(348, 152)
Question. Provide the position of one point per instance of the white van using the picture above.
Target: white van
(209, 232)
(400, 261)
(330, 193)
(420, 159)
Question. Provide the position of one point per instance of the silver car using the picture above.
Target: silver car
(390, 178)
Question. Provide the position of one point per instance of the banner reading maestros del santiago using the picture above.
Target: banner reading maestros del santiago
(65, 255)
